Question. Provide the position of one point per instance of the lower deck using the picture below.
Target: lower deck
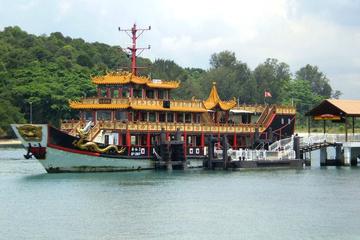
(141, 138)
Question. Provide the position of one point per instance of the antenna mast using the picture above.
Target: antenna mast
(134, 33)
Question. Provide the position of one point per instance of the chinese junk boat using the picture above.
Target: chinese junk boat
(133, 123)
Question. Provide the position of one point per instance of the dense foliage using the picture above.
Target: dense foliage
(47, 71)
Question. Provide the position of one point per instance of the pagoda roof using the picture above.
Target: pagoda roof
(214, 101)
(126, 77)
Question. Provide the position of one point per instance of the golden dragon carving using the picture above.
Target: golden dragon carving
(91, 146)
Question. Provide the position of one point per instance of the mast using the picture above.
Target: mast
(134, 33)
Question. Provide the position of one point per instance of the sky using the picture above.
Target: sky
(325, 33)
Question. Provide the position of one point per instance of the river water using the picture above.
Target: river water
(311, 203)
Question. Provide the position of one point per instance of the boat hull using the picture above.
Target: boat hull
(63, 161)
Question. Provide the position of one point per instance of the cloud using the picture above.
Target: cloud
(325, 33)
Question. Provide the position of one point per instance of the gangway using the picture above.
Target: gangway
(346, 150)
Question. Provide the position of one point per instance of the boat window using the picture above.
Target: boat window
(197, 141)
(189, 140)
(197, 117)
(136, 116)
(133, 140)
(115, 138)
(162, 116)
(103, 115)
(120, 115)
(115, 93)
(170, 117)
(103, 92)
(152, 117)
(88, 116)
(106, 141)
(150, 93)
(130, 116)
(188, 117)
(142, 140)
(125, 91)
(143, 116)
(161, 94)
(137, 93)
(180, 117)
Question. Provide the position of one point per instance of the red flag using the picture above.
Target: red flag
(267, 94)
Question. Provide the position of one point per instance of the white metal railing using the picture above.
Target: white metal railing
(251, 155)
(330, 138)
(285, 143)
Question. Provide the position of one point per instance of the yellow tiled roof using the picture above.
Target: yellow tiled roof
(125, 77)
(163, 84)
(350, 107)
(214, 100)
(79, 105)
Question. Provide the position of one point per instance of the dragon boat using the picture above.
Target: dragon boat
(134, 123)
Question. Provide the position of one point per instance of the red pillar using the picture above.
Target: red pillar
(94, 116)
(99, 92)
(148, 142)
(119, 138)
(128, 140)
(120, 92)
(202, 140)
(218, 135)
(108, 94)
(185, 143)
(131, 91)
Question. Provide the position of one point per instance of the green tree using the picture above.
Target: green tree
(318, 80)
(272, 76)
(233, 77)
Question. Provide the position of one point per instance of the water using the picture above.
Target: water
(316, 203)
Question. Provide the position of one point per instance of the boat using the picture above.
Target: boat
(134, 123)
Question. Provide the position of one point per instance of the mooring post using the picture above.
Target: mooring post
(323, 156)
(210, 151)
(178, 135)
(296, 146)
(178, 139)
(270, 134)
(256, 135)
(225, 149)
(338, 152)
(347, 156)
(165, 149)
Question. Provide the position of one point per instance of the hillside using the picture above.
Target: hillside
(47, 71)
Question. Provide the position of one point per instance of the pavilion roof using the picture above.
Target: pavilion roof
(126, 77)
(336, 107)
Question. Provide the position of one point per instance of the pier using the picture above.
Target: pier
(346, 147)
(280, 154)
